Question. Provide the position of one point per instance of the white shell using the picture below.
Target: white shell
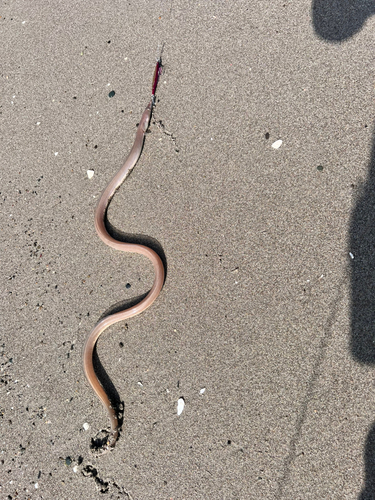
(180, 406)
(86, 426)
(202, 390)
(90, 174)
(277, 144)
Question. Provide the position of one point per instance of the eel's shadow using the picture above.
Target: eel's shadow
(338, 20)
(100, 371)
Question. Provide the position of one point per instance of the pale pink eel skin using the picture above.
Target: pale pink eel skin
(100, 215)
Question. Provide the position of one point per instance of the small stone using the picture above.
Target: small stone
(320, 168)
(112, 93)
(90, 174)
(86, 426)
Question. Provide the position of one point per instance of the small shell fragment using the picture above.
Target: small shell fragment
(202, 391)
(351, 255)
(90, 174)
(277, 144)
(180, 406)
(86, 426)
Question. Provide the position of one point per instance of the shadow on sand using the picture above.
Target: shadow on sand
(99, 442)
(338, 20)
(362, 342)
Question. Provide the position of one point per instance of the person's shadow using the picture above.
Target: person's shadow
(338, 20)
(362, 248)
(362, 342)
(368, 493)
(362, 256)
